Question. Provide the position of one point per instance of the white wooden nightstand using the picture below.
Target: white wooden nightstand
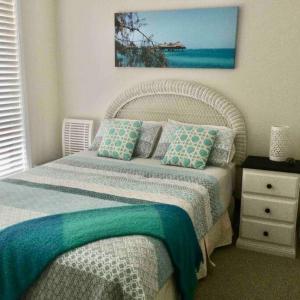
(269, 207)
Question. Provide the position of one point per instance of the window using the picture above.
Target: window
(12, 129)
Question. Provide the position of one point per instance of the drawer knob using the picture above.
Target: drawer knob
(267, 210)
(269, 186)
(266, 233)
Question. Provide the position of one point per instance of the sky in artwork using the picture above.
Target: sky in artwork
(195, 28)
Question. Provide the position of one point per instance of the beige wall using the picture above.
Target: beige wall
(39, 41)
(264, 85)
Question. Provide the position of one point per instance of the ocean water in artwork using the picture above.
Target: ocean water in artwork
(191, 38)
(194, 58)
(201, 58)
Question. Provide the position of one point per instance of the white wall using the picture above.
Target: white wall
(264, 85)
(39, 40)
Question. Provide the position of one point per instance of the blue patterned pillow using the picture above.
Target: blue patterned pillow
(119, 138)
(190, 147)
(165, 140)
(150, 132)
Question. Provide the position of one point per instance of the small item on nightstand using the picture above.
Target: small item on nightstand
(291, 161)
(279, 143)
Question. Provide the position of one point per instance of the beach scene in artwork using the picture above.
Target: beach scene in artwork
(190, 38)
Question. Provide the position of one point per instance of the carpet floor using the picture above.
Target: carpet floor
(247, 275)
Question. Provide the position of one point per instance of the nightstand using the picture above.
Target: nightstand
(269, 208)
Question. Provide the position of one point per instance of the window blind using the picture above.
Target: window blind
(12, 133)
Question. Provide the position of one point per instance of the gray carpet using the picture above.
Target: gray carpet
(246, 275)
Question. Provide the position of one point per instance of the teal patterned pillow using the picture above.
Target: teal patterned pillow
(146, 143)
(190, 147)
(119, 138)
(223, 149)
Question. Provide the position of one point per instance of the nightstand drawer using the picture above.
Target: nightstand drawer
(269, 209)
(270, 183)
(267, 232)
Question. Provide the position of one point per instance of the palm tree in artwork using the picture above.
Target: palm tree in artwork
(132, 46)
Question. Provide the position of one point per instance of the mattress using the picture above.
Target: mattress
(34, 194)
(225, 176)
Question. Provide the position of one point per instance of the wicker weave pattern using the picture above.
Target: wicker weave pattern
(185, 101)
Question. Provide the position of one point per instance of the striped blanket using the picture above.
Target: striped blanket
(129, 267)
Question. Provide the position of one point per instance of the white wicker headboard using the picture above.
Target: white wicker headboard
(185, 101)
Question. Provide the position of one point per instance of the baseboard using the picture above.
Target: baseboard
(266, 248)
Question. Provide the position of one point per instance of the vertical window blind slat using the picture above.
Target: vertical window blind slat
(12, 133)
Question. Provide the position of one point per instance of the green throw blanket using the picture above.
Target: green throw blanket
(28, 247)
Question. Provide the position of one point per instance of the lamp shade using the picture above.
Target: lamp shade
(279, 143)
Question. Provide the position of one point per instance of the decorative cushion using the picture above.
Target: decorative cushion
(190, 146)
(148, 138)
(222, 151)
(119, 138)
(168, 130)
(146, 143)
(98, 137)
(232, 154)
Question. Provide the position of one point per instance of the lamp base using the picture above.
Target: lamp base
(276, 158)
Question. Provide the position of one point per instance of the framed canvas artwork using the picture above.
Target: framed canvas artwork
(187, 38)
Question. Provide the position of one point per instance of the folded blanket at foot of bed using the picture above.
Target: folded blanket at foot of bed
(28, 247)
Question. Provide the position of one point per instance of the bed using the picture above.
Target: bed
(130, 267)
